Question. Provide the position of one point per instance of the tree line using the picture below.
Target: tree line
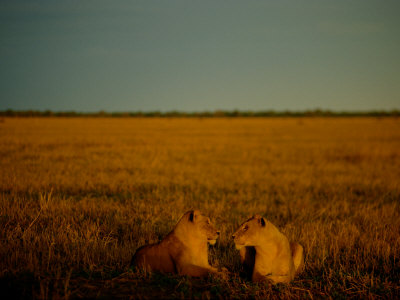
(206, 114)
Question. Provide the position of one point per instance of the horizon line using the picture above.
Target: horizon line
(206, 113)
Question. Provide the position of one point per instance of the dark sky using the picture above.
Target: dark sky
(199, 55)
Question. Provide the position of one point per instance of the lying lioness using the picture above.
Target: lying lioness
(266, 253)
(183, 251)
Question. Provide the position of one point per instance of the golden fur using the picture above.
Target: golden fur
(183, 251)
(266, 253)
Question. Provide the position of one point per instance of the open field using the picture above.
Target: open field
(78, 196)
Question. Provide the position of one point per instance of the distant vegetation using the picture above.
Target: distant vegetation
(206, 114)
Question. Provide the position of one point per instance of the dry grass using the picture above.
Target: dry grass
(78, 196)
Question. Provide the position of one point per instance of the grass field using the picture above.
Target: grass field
(79, 195)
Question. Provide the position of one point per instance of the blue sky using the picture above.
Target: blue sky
(199, 55)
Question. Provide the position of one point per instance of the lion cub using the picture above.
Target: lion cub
(184, 250)
(266, 253)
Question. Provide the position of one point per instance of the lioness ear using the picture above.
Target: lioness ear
(191, 216)
(262, 222)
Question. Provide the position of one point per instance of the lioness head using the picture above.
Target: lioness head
(200, 226)
(249, 232)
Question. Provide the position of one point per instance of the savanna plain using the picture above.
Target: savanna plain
(78, 196)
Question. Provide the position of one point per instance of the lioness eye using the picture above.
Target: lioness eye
(245, 228)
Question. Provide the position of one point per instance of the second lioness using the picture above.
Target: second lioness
(184, 250)
(266, 253)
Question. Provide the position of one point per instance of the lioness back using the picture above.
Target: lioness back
(153, 258)
(298, 256)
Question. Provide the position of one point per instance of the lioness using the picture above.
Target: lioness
(184, 250)
(266, 253)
